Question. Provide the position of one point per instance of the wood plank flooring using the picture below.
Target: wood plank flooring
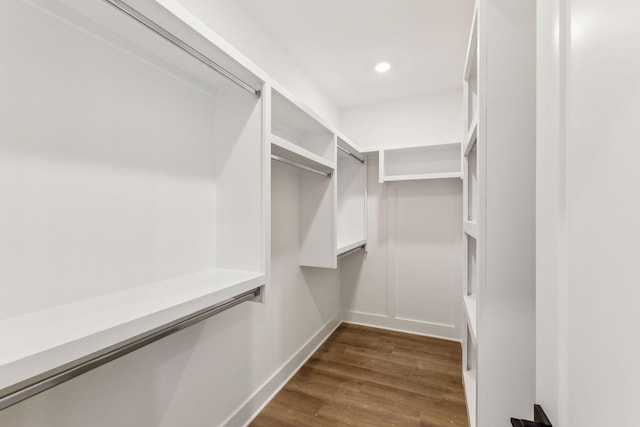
(370, 377)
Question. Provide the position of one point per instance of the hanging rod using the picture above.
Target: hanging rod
(142, 19)
(32, 386)
(352, 251)
(351, 154)
(298, 165)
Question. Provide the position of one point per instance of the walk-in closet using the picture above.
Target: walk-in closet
(294, 213)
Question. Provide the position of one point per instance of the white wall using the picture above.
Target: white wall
(233, 24)
(590, 378)
(428, 119)
(410, 278)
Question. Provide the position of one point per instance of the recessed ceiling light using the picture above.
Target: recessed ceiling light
(383, 67)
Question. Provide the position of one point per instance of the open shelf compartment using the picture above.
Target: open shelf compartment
(297, 129)
(421, 162)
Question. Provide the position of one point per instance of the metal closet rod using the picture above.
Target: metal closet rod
(298, 165)
(352, 251)
(32, 386)
(133, 13)
(351, 154)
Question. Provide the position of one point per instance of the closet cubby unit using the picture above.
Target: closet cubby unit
(301, 140)
(499, 212)
(352, 197)
(132, 179)
(420, 162)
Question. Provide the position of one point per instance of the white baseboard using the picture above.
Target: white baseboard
(434, 330)
(252, 407)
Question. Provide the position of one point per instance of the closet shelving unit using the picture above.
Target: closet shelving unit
(138, 199)
(498, 162)
(300, 139)
(352, 197)
(332, 181)
(405, 163)
(471, 220)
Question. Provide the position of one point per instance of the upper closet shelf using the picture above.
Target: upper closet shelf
(420, 162)
(298, 136)
(298, 155)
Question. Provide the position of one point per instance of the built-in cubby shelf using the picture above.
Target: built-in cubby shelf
(470, 389)
(471, 228)
(470, 311)
(435, 161)
(139, 198)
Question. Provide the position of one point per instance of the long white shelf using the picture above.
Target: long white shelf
(469, 380)
(470, 311)
(422, 176)
(471, 137)
(290, 151)
(346, 247)
(471, 228)
(37, 342)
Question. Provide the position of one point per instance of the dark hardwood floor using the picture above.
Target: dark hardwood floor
(364, 376)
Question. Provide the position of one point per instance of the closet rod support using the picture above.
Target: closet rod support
(298, 165)
(32, 386)
(171, 38)
(344, 150)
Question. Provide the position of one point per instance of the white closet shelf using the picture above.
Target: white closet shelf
(471, 228)
(469, 379)
(433, 161)
(291, 151)
(423, 176)
(472, 136)
(36, 342)
(346, 247)
(470, 312)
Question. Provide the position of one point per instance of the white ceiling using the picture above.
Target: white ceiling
(338, 42)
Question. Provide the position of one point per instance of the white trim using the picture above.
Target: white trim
(434, 330)
(263, 395)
